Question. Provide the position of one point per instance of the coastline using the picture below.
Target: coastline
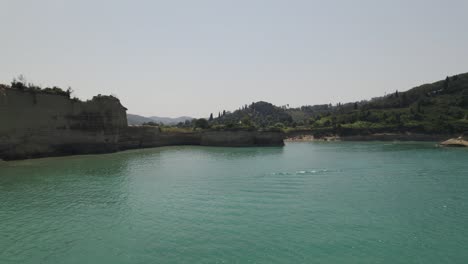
(151, 137)
(140, 138)
(455, 142)
(309, 137)
(40, 124)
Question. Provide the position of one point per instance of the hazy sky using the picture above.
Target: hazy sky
(193, 57)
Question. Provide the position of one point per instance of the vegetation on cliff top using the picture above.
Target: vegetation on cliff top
(20, 83)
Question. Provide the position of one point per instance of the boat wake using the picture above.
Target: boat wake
(303, 172)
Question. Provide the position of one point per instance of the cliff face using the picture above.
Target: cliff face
(145, 137)
(148, 137)
(39, 124)
(241, 138)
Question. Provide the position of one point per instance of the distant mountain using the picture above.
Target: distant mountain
(170, 120)
(135, 120)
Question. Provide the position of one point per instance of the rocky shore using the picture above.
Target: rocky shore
(455, 142)
(309, 137)
(452, 142)
(139, 137)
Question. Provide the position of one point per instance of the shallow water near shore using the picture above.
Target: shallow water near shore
(310, 202)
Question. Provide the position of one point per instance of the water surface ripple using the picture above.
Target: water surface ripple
(304, 203)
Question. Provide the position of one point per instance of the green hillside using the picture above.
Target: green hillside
(440, 107)
(259, 114)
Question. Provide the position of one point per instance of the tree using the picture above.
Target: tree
(19, 83)
(397, 117)
(418, 106)
(446, 83)
(246, 121)
(22, 79)
(279, 125)
(70, 91)
(403, 100)
(201, 123)
(151, 123)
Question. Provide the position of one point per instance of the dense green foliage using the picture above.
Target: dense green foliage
(440, 107)
(256, 115)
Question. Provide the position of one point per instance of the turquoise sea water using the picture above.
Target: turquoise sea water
(304, 203)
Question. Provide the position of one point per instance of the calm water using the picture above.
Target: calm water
(304, 203)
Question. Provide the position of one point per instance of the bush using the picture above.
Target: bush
(201, 123)
(151, 123)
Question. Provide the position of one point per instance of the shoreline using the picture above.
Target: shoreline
(141, 138)
(455, 142)
(309, 137)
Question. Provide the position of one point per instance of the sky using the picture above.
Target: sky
(174, 58)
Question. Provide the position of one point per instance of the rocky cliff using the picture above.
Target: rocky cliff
(241, 138)
(146, 137)
(38, 124)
